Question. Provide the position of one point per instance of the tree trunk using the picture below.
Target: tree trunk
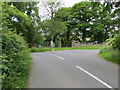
(51, 37)
(83, 38)
(60, 45)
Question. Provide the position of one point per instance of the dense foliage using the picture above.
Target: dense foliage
(116, 42)
(15, 61)
(23, 19)
(85, 22)
(16, 58)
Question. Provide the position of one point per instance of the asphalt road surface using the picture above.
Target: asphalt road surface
(72, 69)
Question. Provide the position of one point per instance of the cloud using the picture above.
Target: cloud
(70, 3)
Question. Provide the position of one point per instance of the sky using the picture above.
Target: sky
(67, 3)
(70, 3)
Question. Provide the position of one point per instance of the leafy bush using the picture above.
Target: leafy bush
(15, 61)
(116, 42)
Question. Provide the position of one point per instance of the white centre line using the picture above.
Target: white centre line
(59, 57)
(95, 77)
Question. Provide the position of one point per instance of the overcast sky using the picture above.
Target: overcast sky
(70, 3)
(67, 3)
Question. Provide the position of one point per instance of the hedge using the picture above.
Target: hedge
(16, 61)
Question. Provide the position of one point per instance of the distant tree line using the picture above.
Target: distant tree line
(84, 22)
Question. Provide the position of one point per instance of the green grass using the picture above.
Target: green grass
(65, 48)
(110, 54)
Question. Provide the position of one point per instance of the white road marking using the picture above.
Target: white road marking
(59, 57)
(94, 77)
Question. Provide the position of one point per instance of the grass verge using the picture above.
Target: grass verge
(110, 54)
(106, 52)
(65, 48)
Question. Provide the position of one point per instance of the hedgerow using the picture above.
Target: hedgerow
(112, 53)
(15, 61)
(116, 42)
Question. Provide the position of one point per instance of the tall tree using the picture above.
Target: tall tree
(104, 25)
(64, 14)
(51, 6)
(115, 15)
(53, 25)
(82, 16)
(93, 20)
(33, 35)
(11, 17)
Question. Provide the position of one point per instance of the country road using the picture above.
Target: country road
(72, 69)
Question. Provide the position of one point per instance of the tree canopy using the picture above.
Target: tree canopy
(84, 22)
(23, 19)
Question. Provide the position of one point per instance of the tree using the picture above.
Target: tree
(115, 17)
(11, 17)
(93, 20)
(82, 16)
(97, 22)
(106, 23)
(51, 6)
(33, 35)
(64, 14)
(51, 24)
